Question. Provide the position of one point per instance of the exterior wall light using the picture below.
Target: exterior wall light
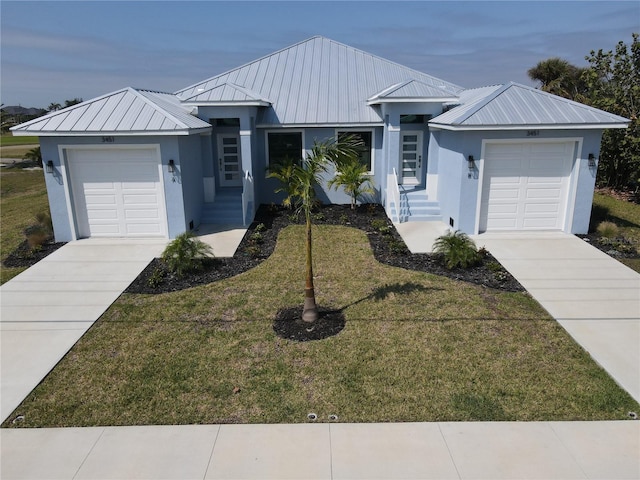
(471, 163)
(592, 160)
(49, 166)
(172, 166)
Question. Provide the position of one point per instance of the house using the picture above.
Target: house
(145, 163)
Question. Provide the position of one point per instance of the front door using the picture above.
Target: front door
(229, 161)
(411, 157)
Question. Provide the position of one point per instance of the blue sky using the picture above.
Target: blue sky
(52, 51)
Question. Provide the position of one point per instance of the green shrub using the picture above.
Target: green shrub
(185, 254)
(456, 250)
(256, 238)
(607, 229)
(260, 228)
(156, 278)
(397, 246)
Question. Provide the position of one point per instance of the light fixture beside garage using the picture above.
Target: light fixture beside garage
(592, 160)
(172, 166)
(471, 163)
(49, 166)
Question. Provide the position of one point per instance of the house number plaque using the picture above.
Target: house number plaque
(107, 140)
(533, 133)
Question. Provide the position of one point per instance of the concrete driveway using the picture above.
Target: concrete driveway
(48, 307)
(593, 296)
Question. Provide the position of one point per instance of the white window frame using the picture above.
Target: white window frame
(283, 130)
(373, 142)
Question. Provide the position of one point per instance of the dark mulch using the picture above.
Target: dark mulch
(288, 324)
(24, 256)
(614, 247)
(260, 240)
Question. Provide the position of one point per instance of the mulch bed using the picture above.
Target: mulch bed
(260, 240)
(24, 256)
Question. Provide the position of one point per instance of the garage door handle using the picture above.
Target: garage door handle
(419, 161)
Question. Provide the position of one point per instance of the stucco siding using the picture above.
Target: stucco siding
(190, 175)
(58, 183)
(458, 186)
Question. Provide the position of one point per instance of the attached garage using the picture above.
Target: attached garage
(117, 192)
(526, 185)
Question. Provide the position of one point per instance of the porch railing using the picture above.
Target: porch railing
(247, 198)
(393, 191)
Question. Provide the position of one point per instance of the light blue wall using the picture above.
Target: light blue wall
(189, 173)
(267, 186)
(458, 187)
(56, 184)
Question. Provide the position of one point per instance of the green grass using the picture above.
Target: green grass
(9, 140)
(416, 347)
(22, 196)
(625, 215)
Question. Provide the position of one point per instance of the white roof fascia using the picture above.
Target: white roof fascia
(138, 133)
(377, 101)
(572, 126)
(320, 125)
(228, 103)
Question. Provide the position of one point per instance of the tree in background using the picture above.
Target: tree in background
(611, 83)
(559, 77)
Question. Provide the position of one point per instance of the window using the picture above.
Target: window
(282, 146)
(225, 122)
(366, 155)
(414, 119)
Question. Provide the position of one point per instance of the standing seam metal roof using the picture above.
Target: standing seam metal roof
(514, 104)
(126, 111)
(320, 81)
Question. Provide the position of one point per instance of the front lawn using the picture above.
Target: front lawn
(415, 347)
(22, 197)
(626, 216)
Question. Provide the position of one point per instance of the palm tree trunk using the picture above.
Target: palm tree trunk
(310, 310)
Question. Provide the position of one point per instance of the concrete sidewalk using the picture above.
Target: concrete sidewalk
(549, 450)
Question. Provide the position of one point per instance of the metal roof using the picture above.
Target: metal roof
(227, 94)
(124, 112)
(412, 91)
(316, 82)
(516, 106)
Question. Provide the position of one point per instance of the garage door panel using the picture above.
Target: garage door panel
(117, 192)
(533, 177)
(140, 214)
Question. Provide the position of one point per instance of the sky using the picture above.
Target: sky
(55, 50)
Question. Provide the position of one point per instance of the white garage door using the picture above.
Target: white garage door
(117, 193)
(525, 185)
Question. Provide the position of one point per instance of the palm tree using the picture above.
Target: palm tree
(34, 155)
(352, 175)
(285, 172)
(299, 182)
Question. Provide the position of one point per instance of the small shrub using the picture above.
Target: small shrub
(378, 223)
(256, 238)
(39, 233)
(397, 246)
(344, 220)
(372, 208)
(260, 228)
(456, 250)
(185, 254)
(607, 229)
(319, 217)
(36, 236)
(254, 251)
(156, 278)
